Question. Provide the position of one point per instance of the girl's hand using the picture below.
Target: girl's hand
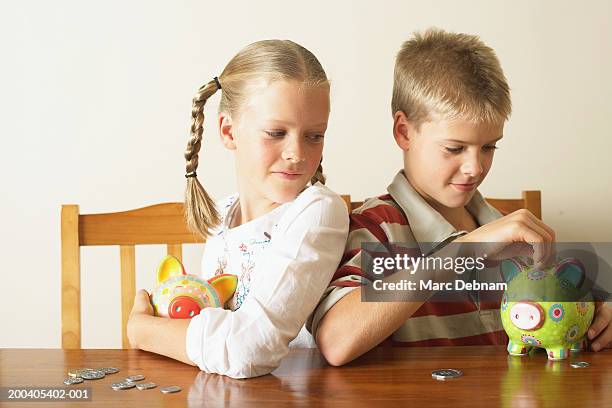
(142, 307)
(519, 233)
(142, 304)
(600, 332)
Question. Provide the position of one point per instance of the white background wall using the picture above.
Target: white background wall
(96, 98)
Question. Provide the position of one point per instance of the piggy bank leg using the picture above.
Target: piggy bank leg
(579, 346)
(518, 349)
(557, 353)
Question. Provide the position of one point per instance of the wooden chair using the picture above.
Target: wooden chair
(531, 200)
(157, 224)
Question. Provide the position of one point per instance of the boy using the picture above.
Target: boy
(450, 103)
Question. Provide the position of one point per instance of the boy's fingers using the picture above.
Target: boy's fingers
(537, 243)
(602, 320)
(545, 227)
(603, 341)
(538, 237)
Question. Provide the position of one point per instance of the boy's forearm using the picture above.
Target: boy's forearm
(162, 336)
(352, 327)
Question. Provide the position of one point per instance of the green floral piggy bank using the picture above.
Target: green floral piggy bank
(545, 308)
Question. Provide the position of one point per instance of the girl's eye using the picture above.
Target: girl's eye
(490, 148)
(454, 149)
(276, 133)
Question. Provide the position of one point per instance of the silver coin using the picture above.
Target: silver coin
(92, 375)
(146, 386)
(172, 388)
(78, 371)
(137, 377)
(73, 380)
(446, 373)
(122, 386)
(109, 370)
(579, 364)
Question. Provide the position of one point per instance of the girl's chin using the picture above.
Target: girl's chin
(285, 195)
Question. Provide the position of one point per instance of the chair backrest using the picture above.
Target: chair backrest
(157, 224)
(530, 200)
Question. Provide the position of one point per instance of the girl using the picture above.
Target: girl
(281, 237)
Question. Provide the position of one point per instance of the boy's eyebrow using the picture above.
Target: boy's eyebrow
(463, 141)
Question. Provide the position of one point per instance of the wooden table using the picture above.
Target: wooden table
(384, 377)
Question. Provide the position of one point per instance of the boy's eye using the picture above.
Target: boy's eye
(275, 133)
(454, 149)
(317, 137)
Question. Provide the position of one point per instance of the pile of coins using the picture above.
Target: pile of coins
(446, 374)
(77, 376)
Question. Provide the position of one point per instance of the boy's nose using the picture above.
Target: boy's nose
(472, 167)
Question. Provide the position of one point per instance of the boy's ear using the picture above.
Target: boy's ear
(402, 130)
(226, 131)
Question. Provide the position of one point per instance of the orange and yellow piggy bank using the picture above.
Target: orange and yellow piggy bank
(179, 295)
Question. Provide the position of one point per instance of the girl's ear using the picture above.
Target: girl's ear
(402, 130)
(226, 131)
(510, 268)
(572, 270)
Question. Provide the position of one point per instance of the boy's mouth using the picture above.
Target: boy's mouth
(463, 187)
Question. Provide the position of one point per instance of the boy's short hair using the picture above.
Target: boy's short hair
(452, 75)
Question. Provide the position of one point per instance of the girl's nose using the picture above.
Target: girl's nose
(291, 156)
(293, 153)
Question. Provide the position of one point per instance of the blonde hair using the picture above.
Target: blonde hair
(271, 60)
(452, 75)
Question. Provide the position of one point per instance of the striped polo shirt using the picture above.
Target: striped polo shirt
(404, 216)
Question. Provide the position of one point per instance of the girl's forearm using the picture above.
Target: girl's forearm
(161, 335)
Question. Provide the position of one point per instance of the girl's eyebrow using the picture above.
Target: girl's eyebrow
(286, 123)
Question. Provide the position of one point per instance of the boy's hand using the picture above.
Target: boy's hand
(600, 332)
(142, 307)
(519, 233)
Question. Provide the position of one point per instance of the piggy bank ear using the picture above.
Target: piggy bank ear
(169, 267)
(571, 270)
(510, 268)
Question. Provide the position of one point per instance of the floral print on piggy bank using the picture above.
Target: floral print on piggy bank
(545, 308)
(179, 295)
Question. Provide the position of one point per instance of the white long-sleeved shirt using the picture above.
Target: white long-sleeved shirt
(284, 259)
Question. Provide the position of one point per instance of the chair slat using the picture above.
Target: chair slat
(533, 202)
(71, 278)
(128, 288)
(156, 224)
(176, 250)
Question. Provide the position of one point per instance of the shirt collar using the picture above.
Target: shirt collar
(428, 226)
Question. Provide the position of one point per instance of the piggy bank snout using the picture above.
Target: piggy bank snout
(183, 307)
(527, 315)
